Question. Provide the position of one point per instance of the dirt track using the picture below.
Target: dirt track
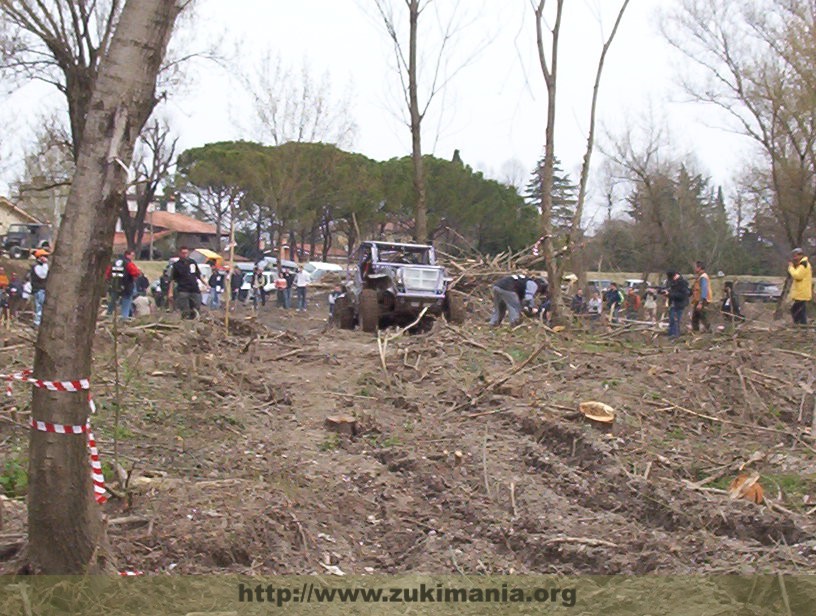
(452, 469)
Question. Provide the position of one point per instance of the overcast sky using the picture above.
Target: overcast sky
(493, 110)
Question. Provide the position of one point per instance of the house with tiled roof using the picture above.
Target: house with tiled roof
(11, 214)
(167, 231)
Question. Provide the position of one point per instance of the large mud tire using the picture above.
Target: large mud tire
(455, 308)
(17, 252)
(343, 313)
(369, 311)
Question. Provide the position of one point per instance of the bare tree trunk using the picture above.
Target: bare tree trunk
(64, 522)
(420, 209)
(550, 73)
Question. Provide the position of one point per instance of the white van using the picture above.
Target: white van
(318, 269)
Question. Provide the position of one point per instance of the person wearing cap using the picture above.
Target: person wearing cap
(678, 292)
(39, 273)
(800, 270)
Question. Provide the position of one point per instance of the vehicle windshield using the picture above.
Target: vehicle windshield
(21, 229)
(404, 254)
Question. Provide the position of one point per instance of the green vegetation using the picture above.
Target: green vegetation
(14, 477)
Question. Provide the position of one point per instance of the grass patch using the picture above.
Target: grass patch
(14, 477)
(330, 443)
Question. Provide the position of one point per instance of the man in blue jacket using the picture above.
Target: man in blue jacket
(678, 293)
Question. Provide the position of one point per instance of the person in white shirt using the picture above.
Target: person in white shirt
(39, 274)
(301, 282)
(594, 306)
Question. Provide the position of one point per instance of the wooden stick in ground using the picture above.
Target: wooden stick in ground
(382, 342)
(228, 284)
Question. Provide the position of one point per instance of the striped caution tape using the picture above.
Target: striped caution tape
(100, 494)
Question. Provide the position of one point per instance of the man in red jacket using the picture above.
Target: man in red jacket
(121, 276)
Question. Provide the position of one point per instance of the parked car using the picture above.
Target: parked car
(758, 291)
(318, 269)
(392, 283)
(597, 285)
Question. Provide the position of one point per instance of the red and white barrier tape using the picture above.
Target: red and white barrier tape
(130, 573)
(98, 479)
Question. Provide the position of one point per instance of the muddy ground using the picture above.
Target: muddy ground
(467, 454)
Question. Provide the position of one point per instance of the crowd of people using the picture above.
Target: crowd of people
(648, 304)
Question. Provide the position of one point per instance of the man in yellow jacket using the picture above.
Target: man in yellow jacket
(800, 270)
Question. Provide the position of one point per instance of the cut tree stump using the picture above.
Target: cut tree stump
(341, 424)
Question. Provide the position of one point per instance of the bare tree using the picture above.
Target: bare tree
(62, 42)
(407, 55)
(64, 523)
(155, 157)
(755, 62)
(293, 106)
(549, 70)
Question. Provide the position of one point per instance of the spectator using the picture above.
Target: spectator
(258, 284)
(186, 275)
(122, 275)
(216, 282)
(142, 285)
(5, 310)
(4, 280)
(280, 290)
(801, 292)
(290, 283)
(650, 305)
(730, 307)
(236, 280)
(39, 274)
(579, 302)
(301, 282)
(143, 306)
(595, 306)
(613, 299)
(701, 297)
(678, 293)
(15, 292)
(632, 304)
(335, 293)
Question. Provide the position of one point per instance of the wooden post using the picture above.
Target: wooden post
(228, 285)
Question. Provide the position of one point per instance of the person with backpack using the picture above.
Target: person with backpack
(678, 293)
(121, 276)
(39, 274)
(701, 297)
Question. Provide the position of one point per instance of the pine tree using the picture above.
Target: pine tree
(563, 192)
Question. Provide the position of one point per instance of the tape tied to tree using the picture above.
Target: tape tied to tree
(98, 479)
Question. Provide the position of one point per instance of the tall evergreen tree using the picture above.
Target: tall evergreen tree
(564, 195)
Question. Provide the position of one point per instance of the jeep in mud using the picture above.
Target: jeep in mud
(390, 284)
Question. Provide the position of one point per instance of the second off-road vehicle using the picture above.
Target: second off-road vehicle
(23, 238)
(390, 284)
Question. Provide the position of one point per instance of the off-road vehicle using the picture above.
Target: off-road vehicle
(390, 284)
(23, 238)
